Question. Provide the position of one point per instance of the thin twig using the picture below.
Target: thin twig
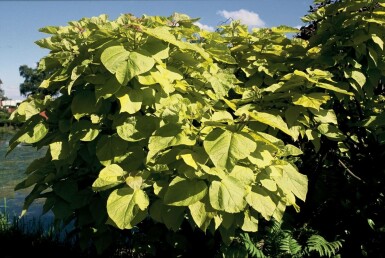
(349, 171)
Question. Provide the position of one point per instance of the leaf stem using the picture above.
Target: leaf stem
(349, 171)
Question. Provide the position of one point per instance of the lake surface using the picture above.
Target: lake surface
(12, 168)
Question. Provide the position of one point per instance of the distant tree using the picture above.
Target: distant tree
(1, 90)
(32, 79)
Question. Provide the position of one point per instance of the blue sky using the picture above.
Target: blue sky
(20, 21)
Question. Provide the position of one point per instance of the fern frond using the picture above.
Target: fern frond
(251, 247)
(317, 243)
(275, 227)
(289, 245)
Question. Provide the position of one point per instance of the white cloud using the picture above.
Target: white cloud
(245, 16)
(204, 26)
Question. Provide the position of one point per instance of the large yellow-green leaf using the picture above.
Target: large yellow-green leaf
(325, 116)
(193, 158)
(166, 136)
(146, 78)
(220, 52)
(331, 131)
(292, 181)
(158, 50)
(130, 100)
(274, 121)
(49, 29)
(26, 110)
(127, 207)
(38, 132)
(166, 77)
(331, 87)
(169, 72)
(221, 83)
(47, 43)
(135, 182)
(312, 100)
(32, 131)
(125, 64)
(84, 130)
(261, 201)
(136, 128)
(280, 210)
(243, 174)
(184, 192)
(225, 148)
(265, 179)
(284, 29)
(291, 150)
(227, 195)
(263, 155)
(164, 34)
(378, 41)
(114, 57)
(201, 216)
(249, 222)
(109, 176)
(356, 75)
(59, 150)
(222, 116)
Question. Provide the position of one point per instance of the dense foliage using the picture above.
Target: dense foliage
(161, 128)
(349, 177)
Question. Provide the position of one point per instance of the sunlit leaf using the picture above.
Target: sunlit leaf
(226, 148)
(261, 201)
(127, 207)
(109, 176)
(200, 215)
(271, 120)
(136, 128)
(184, 192)
(250, 223)
(312, 100)
(293, 181)
(166, 136)
(130, 100)
(84, 130)
(227, 195)
(125, 64)
(331, 131)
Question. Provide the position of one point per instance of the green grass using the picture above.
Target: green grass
(20, 237)
(7, 130)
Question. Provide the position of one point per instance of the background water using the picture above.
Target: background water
(12, 168)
